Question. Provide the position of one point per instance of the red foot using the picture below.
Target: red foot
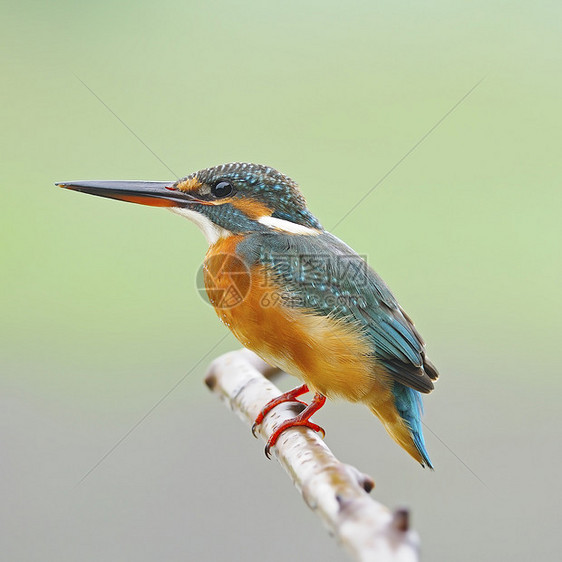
(302, 420)
(285, 397)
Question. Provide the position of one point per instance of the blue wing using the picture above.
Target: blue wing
(324, 275)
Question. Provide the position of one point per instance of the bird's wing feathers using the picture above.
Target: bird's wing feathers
(324, 275)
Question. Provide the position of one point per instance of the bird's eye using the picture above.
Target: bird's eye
(222, 189)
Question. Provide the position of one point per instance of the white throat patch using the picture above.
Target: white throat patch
(212, 232)
(287, 226)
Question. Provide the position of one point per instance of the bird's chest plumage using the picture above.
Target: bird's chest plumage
(329, 355)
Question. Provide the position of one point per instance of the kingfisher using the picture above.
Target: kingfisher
(305, 302)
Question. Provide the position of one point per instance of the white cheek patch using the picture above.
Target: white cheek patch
(212, 232)
(288, 226)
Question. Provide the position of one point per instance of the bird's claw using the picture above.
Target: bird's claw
(254, 429)
(290, 396)
(301, 420)
(261, 416)
(295, 422)
(267, 451)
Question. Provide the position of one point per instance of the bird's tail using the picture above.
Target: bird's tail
(400, 412)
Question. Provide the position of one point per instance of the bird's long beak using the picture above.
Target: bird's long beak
(154, 193)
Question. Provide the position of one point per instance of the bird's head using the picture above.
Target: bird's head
(228, 199)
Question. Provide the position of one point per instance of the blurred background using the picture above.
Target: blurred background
(100, 315)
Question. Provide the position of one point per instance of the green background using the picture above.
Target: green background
(100, 313)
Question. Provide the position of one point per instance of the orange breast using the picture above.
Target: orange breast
(330, 356)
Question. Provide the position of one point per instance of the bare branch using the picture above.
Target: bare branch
(336, 492)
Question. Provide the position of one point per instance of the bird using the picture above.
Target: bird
(297, 296)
